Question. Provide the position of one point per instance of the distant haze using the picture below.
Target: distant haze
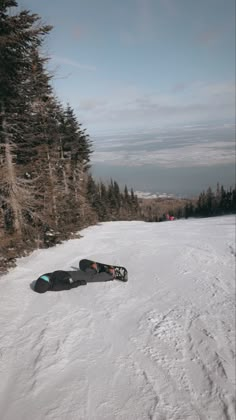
(181, 161)
(183, 182)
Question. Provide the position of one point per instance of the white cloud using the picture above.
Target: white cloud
(169, 148)
(73, 63)
(90, 104)
(185, 156)
(131, 107)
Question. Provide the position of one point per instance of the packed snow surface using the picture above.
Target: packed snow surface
(160, 346)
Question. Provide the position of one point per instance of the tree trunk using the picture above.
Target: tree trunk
(53, 195)
(65, 181)
(11, 179)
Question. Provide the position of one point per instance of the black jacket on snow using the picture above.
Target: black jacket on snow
(65, 280)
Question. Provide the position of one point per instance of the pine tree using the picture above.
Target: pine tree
(19, 36)
(75, 142)
(104, 212)
(209, 202)
(40, 124)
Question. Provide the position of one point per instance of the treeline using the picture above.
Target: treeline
(46, 191)
(209, 203)
(212, 203)
(110, 203)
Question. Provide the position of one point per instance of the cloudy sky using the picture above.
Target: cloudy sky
(144, 65)
(142, 62)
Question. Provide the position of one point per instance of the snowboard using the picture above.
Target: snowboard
(120, 272)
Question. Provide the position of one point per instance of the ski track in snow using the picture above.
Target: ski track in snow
(160, 347)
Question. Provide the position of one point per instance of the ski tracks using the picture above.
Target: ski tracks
(209, 369)
(40, 353)
(184, 364)
(187, 352)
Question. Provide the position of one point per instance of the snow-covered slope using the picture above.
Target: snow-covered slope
(161, 346)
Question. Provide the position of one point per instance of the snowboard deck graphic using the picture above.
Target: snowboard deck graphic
(120, 272)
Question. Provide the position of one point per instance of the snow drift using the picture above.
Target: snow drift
(161, 346)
